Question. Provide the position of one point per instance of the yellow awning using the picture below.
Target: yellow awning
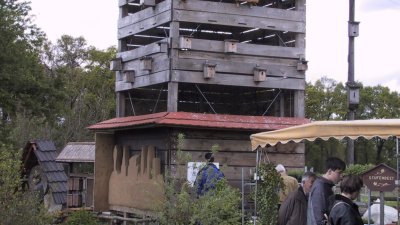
(368, 129)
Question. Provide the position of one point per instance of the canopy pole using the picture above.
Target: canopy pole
(398, 176)
(255, 190)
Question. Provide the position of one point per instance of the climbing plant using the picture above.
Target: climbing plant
(267, 194)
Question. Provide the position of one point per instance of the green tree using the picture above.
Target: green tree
(17, 206)
(87, 86)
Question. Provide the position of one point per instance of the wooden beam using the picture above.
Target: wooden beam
(299, 104)
(172, 98)
(145, 14)
(238, 21)
(235, 67)
(148, 50)
(241, 10)
(139, 25)
(243, 48)
(237, 80)
(142, 81)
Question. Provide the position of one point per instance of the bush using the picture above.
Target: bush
(81, 217)
(218, 206)
(17, 206)
(357, 169)
(267, 194)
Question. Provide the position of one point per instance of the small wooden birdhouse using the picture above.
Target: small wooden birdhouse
(148, 2)
(354, 29)
(146, 63)
(129, 76)
(185, 43)
(260, 74)
(231, 46)
(209, 70)
(302, 65)
(116, 64)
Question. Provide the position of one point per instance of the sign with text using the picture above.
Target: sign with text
(380, 178)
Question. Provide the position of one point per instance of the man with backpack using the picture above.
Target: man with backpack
(208, 176)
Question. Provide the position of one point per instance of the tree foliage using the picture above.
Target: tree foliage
(17, 206)
(326, 99)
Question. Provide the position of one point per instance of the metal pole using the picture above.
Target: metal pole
(242, 198)
(382, 207)
(255, 198)
(350, 79)
(369, 207)
(398, 176)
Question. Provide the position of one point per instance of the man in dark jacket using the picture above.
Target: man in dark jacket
(321, 190)
(293, 210)
(344, 211)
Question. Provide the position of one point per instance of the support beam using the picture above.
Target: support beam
(120, 99)
(172, 99)
(299, 104)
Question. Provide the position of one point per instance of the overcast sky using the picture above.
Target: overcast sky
(376, 49)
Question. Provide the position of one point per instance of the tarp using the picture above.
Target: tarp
(368, 129)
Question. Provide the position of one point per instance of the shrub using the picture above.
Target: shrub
(357, 169)
(218, 206)
(81, 217)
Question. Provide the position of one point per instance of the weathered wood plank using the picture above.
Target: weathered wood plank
(237, 80)
(236, 21)
(237, 58)
(240, 10)
(244, 49)
(160, 47)
(246, 159)
(145, 14)
(190, 144)
(142, 81)
(145, 24)
(237, 67)
(158, 65)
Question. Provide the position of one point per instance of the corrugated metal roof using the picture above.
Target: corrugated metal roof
(185, 119)
(46, 154)
(77, 152)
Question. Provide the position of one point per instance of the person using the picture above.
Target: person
(293, 210)
(343, 210)
(290, 183)
(321, 190)
(208, 176)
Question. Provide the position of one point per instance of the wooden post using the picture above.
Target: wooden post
(299, 104)
(120, 110)
(382, 207)
(172, 100)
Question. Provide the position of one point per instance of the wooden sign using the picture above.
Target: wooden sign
(380, 178)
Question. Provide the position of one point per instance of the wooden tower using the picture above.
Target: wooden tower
(207, 56)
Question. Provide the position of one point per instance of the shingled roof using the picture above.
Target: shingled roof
(77, 152)
(212, 121)
(46, 153)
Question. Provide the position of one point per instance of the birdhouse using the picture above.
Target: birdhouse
(116, 64)
(353, 28)
(148, 2)
(302, 65)
(185, 43)
(231, 46)
(146, 63)
(260, 74)
(129, 76)
(209, 70)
